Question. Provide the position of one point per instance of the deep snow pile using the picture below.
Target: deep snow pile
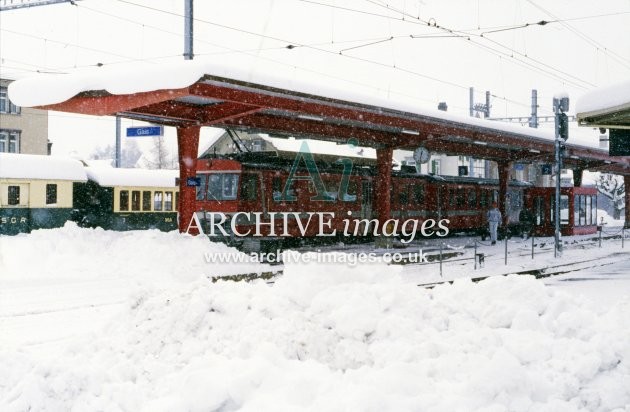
(76, 253)
(328, 337)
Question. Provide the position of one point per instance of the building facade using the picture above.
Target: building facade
(22, 130)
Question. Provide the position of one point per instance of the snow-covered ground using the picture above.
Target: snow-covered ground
(96, 320)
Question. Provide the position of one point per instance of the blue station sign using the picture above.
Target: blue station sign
(193, 181)
(145, 131)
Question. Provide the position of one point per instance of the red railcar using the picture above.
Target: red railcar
(255, 185)
(578, 210)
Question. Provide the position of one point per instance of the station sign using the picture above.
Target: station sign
(145, 131)
(193, 181)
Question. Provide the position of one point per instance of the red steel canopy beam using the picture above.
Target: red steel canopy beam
(188, 144)
(102, 103)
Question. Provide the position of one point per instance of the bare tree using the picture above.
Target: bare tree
(612, 187)
(160, 157)
(128, 157)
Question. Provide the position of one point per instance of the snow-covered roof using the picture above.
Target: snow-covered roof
(24, 166)
(49, 89)
(109, 176)
(604, 99)
(321, 147)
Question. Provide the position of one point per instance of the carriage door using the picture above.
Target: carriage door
(366, 199)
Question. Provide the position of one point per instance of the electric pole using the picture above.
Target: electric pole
(560, 107)
(188, 29)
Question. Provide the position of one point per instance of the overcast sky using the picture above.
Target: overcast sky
(428, 50)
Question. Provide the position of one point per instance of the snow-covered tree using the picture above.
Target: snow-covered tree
(160, 157)
(612, 187)
(129, 154)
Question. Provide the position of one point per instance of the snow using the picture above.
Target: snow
(48, 89)
(23, 166)
(321, 147)
(323, 337)
(604, 99)
(109, 176)
(608, 220)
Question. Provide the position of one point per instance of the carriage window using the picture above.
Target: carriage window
(418, 194)
(146, 201)
(451, 197)
(201, 189)
(461, 197)
(249, 187)
(472, 198)
(230, 186)
(214, 186)
(51, 194)
(168, 201)
(276, 185)
(176, 200)
(14, 195)
(577, 211)
(124, 200)
(539, 210)
(157, 201)
(351, 195)
(483, 199)
(222, 186)
(564, 209)
(135, 200)
(403, 195)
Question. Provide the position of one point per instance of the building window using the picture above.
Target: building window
(14, 195)
(5, 104)
(435, 167)
(51, 194)
(10, 141)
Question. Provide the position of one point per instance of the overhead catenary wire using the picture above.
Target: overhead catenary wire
(291, 45)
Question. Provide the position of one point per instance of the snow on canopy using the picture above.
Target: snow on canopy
(605, 99)
(24, 166)
(321, 147)
(48, 89)
(109, 176)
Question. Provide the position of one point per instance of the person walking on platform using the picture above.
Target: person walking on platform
(494, 221)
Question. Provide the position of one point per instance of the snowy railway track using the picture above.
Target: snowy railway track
(545, 272)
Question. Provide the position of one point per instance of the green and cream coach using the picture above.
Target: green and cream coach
(36, 192)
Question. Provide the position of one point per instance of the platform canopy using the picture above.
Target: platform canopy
(202, 93)
(606, 107)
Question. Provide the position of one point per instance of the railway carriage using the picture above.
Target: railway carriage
(257, 182)
(36, 191)
(127, 199)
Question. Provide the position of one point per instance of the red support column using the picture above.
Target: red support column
(382, 184)
(188, 144)
(626, 184)
(577, 177)
(504, 176)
